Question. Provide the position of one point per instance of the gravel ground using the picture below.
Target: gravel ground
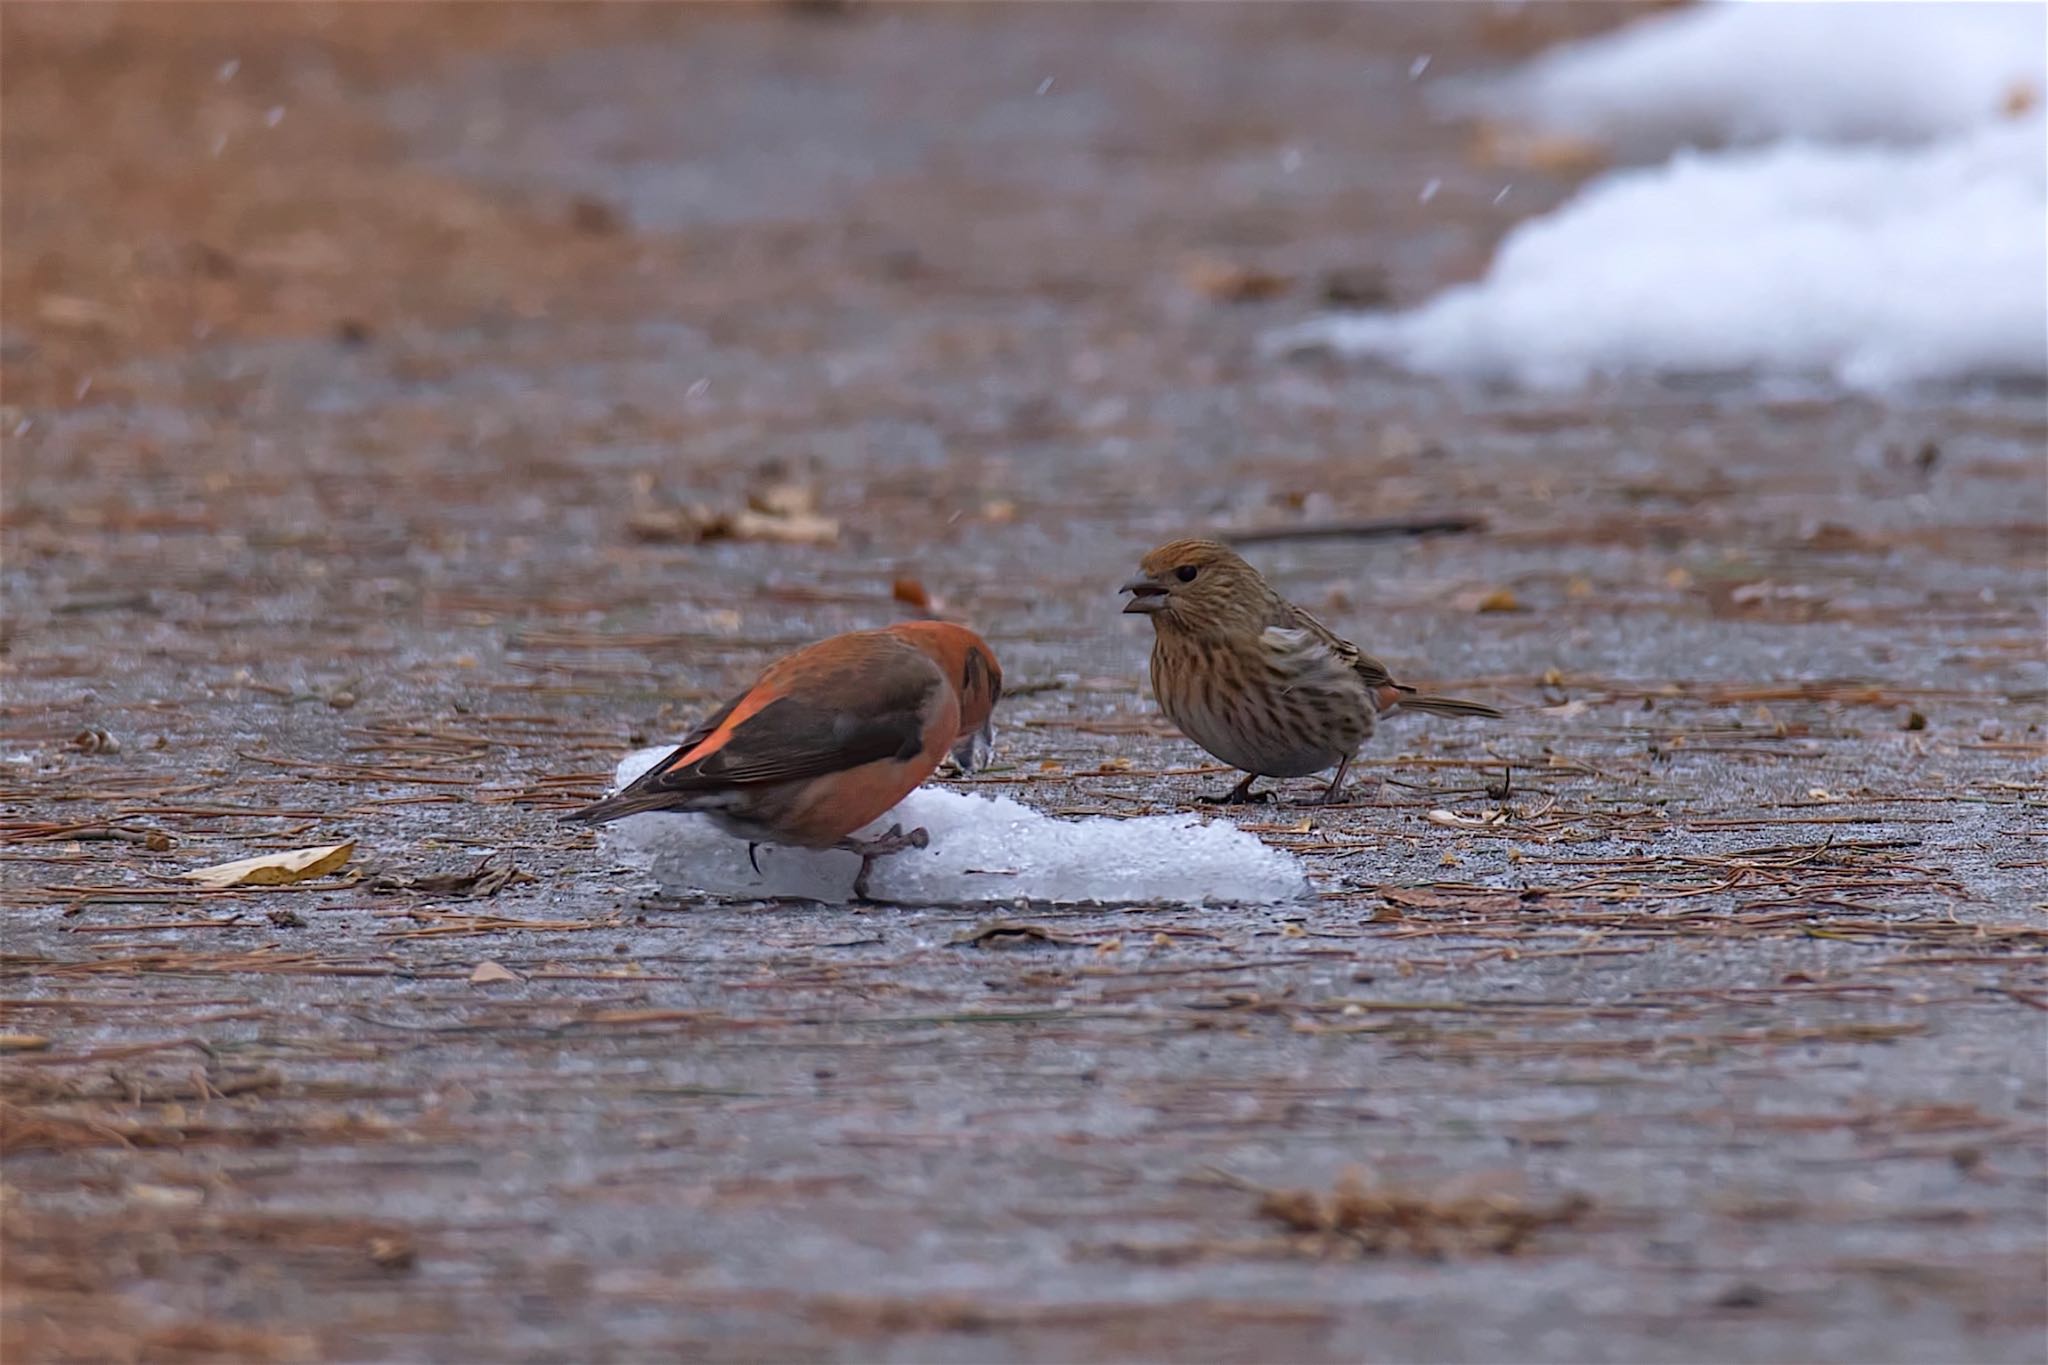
(363, 369)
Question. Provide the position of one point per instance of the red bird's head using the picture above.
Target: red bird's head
(977, 679)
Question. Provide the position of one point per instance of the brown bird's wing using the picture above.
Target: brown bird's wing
(1388, 693)
(1370, 670)
(845, 715)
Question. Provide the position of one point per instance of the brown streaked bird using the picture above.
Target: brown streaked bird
(1256, 680)
(827, 740)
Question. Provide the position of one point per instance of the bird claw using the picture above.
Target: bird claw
(753, 861)
(893, 841)
(1240, 795)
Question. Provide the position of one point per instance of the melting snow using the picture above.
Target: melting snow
(1753, 72)
(982, 849)
(1880, 264)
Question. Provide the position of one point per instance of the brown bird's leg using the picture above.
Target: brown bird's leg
(1335, 791)
(1240, 795)
(895, 841)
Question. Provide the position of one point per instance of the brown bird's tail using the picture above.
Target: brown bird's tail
(1446, 706)
(628, 802)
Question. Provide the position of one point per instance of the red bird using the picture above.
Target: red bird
(827, 740)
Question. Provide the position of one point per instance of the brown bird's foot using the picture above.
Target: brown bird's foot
(1240, 795)
(895, 841)
(1334, 793)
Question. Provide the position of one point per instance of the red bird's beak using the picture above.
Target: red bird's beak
(1147, 597)
(975, 749)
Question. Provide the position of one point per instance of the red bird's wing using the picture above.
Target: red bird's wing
(793, 738)
(821, 715)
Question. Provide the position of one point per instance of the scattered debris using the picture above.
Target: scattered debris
(1374, 529)
(1363, 1217)
(487, 972)
(487, 878)
(95, 742)
(1363, 287)
(1005, 934)
(782, 512)
(593, 217)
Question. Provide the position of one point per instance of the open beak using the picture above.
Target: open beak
(1147, 597)
(976, 748)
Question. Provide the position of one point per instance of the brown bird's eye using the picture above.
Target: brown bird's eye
(1186, 573)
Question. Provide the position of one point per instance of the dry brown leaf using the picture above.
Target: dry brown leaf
(274, 869)
(23, 1042)
(1516, 149)
(1498, 599)
(487, 972)
(1229, 282)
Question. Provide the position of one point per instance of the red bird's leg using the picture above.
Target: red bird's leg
(895, 841)
(1240, 795)
(1335, 791)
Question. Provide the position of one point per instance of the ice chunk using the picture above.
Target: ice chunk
(982, 849)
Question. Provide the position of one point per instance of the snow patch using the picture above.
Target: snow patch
(1880, 266)
(1752, 72)
(982, 849)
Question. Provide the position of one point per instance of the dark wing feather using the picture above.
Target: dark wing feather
(875, 714)
(790, 739)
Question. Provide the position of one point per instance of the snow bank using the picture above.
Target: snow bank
(1878, 265)
(1881, 264)
(982, 849)
(1753, 72)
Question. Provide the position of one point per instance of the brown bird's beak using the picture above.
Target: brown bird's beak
(1147, 596)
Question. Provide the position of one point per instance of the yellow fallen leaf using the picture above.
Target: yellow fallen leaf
(274, 869)
(784, 499)
(488, 971)
(1450, 819)
(1500, 599)
(23, 1042)
(802, 528)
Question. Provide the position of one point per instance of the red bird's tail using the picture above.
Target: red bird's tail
(626, 803)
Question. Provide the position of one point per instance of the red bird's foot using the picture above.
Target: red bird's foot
(895, 841)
